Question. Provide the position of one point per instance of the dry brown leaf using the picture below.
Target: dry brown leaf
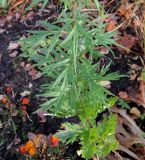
(127, 41)
(14, 112)
(133, 94)
(123, 95)
(125, 10)
(128, 133)
(41, 115)
(13, 45)
(32, 72)
(13, 54)
(103, 50)
(25, 93)
(105, 83)
(135, 111)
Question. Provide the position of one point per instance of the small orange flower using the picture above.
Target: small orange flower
(4, 100)
(23, 149)
(29, 144)
(25, 101)
(32, 151)
(54, 140)
(28, 148)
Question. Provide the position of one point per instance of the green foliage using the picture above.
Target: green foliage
(123, 104)
(98, 140)
(4, 4)
(66, 52)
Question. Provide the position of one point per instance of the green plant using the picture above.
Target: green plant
(4, 3)
(67, 52)
(123, 104)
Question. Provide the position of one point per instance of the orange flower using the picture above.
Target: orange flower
(54, 140)
(29, 144)
(32, 151)
(4, 100)
(25, 101)
(28, 148)
(23, 149)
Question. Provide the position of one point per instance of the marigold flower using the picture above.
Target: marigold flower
(4, 100)
(28, 148)
(25, 101)
(29, 144)
(23, 149)
(32, 151)
(54, 140)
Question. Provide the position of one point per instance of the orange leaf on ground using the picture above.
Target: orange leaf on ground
(125, 10)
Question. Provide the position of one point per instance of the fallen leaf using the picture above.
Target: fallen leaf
(40, 141)
(103, 50)
(133, 94)
(123, 95)
(22, 64)
(25, 93)
(32, 72)
(38, 75)
(28, 67)
(13, 54)
(1, 124)
(41, 116)
(127, 41)
(133, 76)
(17, 141)
(1, 97)
(13, 45)
(128, 133)
(106, 84)
(14, 112)
(125, 10)
(135, 111)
